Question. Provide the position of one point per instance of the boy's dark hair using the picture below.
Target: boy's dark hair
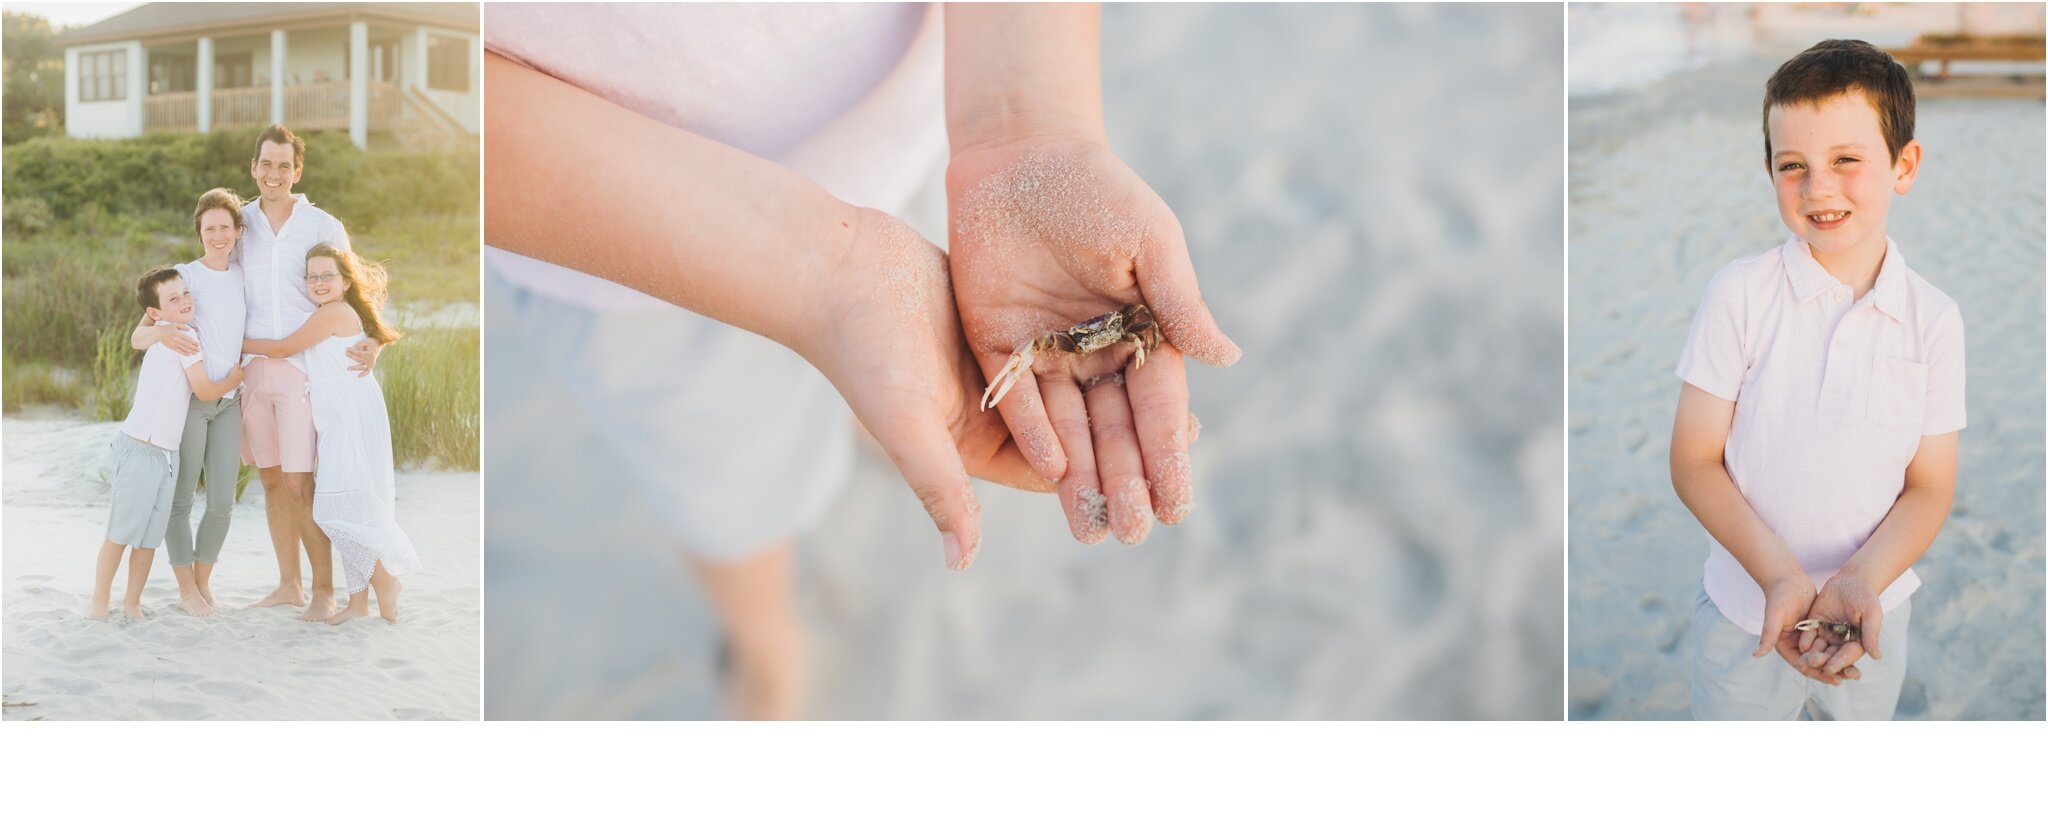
(280, 135)
(145, 290)
(1833, 67)
(217, 199)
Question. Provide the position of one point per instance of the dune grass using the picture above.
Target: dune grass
(432, 391)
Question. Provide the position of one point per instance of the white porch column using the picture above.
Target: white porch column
(205, 85)
(71, 90)
(277, 44)
(138, 87)
(377, 59)
(359, 83)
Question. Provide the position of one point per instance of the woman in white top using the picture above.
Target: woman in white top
(353, 501)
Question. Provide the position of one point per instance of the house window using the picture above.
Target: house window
(231, 71)
(103, 75)
(172, 73)
(447, 64)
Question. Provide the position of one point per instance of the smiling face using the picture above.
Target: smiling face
(173, 302)
(1834, 177)
(324, 281)
(218, 232)
(275, 170)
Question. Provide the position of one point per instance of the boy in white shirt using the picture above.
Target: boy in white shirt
(1816, 435)
(145, 463)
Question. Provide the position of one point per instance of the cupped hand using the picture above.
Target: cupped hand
(1786, 602)
(1849, 599)
(889, 340)
(1049, 233)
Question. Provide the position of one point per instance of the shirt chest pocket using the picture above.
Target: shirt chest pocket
(1898, 393)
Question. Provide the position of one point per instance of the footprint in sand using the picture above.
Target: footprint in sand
(71, 685)
(232, 690)
(173, 678)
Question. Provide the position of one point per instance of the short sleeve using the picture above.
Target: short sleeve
(1944, 349)
(1715, 357)
(185, 361)
(336, 234)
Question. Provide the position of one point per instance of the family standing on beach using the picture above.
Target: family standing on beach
(260, 353)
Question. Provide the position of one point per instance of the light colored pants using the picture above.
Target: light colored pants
(212, 443)
(1728, 684)
(140, 482)
(733, 441)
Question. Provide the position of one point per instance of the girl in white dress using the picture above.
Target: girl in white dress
(352, 479)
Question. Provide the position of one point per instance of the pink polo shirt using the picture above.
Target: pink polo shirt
(1832, 396)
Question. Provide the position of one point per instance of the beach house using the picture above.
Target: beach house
(408, 70)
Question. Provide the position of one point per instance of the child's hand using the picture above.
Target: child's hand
(1786, 601)
(365, 354)
(888, 337)
(1845, 599)
(177, 338)
(1046, 234)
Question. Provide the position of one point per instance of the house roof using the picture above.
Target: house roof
(167, 19)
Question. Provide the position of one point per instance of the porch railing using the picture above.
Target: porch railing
(307, 106)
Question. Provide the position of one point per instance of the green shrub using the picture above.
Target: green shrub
(432, 391)
(35, 384)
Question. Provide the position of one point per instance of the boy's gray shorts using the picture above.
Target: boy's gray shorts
(142, 482)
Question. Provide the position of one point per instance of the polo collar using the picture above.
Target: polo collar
(1809, 279)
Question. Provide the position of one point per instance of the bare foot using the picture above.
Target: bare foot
(282, 596)
(387, 598)
(207, 595)
(196, 606)
(321, 609)
(358, 606)
(96, 611)
(133, 610)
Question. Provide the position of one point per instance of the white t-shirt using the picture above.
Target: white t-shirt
(220, 312)
(1832, 396)
(162, 395)
(849, 95)
(274, 268)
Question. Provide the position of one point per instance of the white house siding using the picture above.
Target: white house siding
(464, 108)
(105, 118)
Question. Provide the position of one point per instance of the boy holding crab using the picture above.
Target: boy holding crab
(1816, 434)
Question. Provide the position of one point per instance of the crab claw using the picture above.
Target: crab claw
(1019, 365)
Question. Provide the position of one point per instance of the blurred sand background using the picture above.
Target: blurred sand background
(1373, 198)
(1668, 185)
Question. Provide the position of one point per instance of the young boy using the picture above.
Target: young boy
(145, 464)
(1816, 433)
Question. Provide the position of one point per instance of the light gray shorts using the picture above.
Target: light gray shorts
(142, 481)
(1728, 684)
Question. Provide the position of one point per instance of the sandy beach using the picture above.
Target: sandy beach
(243, 664)
(1667, 185)
(1377, 523)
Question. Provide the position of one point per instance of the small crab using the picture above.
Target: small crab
(1131, 324)
(1846, 632)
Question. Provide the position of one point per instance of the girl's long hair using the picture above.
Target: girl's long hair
(366, 289)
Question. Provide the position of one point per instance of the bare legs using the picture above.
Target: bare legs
(202, 576)
(288, 505)
(756, 604)
(386, 587)
(103, 578)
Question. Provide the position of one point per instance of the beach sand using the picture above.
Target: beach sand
(243, 664)
(1373, 199)
(1667, 185)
